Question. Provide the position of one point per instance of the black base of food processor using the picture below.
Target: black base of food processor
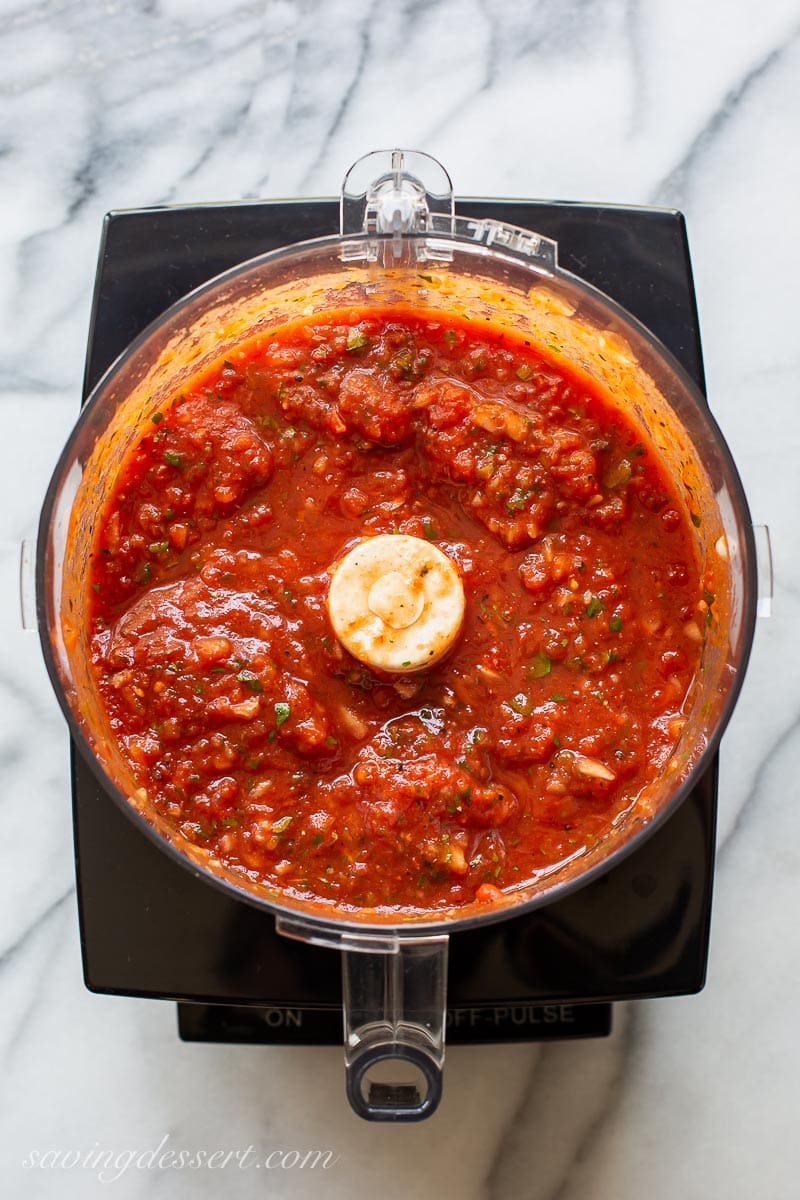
(149, 927)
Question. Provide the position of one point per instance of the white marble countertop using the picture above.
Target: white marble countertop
(672, 102)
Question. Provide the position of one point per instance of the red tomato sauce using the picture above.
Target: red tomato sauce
(259, 737)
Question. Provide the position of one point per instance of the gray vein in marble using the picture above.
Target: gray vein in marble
(745, 810)
(443, 120)
(84, 62)
(23, 696)
(228, 127)
(31, 14)
(516, 1153)
(84, 177)
(349, 91)
(554, 28)
(39, 922)
(37, 997)
(12, 381)
(633, 27)
(673, 188)
(31, 251)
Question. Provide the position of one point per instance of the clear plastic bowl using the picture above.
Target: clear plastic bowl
(401, 245)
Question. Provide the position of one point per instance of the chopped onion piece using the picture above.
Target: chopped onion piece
(594, 769)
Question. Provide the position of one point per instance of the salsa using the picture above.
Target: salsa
(258, 736)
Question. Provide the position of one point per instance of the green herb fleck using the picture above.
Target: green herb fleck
(516, 500)
(158, 547)
(558, 697)
(521, 703)
(157, 418)
(172, 458)
(282, 712)
(615, 624)
(430, 532)
(250, 681)
(404, 363)
(594, 607)
(450, 337)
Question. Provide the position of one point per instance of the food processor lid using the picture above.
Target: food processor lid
(390, 195)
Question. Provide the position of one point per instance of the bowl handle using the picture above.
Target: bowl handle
(394, 1028)
(394, 992)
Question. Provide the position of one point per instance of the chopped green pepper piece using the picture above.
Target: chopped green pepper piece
(540, 665)
(617, 474)
(356, 340)
(594, 607)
